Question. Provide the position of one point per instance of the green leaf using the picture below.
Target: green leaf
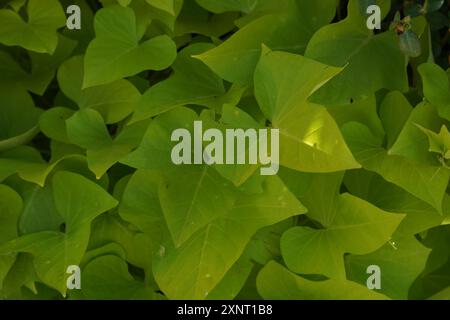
(78, 201)
(276, 283)
(39, 32)
(321, 251)
(309, 137)
(116, 52)
(436, 88)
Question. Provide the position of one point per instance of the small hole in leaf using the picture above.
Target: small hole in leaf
(62, 227)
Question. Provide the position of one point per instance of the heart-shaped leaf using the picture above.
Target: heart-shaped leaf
(117, 52)
(39, 32)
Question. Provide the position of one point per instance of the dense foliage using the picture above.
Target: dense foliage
(86, 117)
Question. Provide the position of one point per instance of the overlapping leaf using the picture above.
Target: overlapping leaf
(54, 251)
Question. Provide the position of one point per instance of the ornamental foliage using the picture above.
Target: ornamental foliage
(86, 177)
